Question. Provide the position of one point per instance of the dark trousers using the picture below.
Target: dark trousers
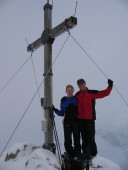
(87, 130)
(72, 138)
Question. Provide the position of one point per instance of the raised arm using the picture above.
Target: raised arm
(103, 93)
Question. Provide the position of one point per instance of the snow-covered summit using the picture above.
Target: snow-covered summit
(26, 156)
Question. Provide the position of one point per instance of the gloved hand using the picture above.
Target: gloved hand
(110, 83)
(55, 109)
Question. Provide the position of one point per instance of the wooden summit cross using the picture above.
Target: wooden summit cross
(47, 39)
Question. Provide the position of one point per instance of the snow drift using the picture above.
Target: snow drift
(26, 156)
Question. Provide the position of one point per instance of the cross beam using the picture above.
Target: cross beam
(48, 34)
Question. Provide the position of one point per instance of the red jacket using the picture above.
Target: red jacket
(85, 102)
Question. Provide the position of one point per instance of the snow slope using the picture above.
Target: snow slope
(113, 145)
(26, 156)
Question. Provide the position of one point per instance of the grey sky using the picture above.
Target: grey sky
(103, 32)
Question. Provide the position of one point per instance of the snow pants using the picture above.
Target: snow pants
(87, 131)
(72, 138)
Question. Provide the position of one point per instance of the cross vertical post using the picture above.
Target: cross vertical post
(48, 78)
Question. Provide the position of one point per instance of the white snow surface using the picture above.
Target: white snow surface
(27, 156)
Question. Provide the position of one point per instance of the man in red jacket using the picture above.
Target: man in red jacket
(85, 113)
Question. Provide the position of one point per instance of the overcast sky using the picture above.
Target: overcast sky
(102, 31)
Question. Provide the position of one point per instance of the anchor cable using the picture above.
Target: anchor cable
(32, 98)
(97, 66)
(34, 71)
(13, 76)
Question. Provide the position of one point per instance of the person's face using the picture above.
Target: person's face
(82, 86)
(69, 91)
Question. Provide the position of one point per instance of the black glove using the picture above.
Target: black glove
(63, 99)
(110, 83)
(55, 109)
